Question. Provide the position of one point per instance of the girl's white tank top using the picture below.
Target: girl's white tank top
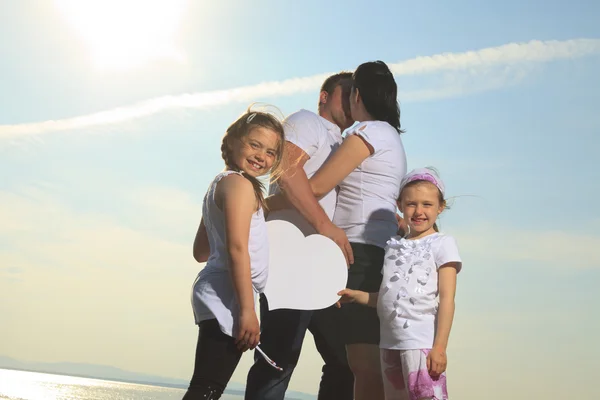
(213, 294)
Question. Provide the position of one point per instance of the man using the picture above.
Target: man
(310, 140)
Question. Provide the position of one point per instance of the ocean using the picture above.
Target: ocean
(23, 385)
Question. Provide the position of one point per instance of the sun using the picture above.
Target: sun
(126, 34)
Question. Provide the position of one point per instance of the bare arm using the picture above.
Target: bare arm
(238, 215)
(353, 151)
(437, 359)
(298, 193)
(358, 297)
(447, 287)
(201, 248)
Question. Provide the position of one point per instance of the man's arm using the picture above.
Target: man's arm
(296, 187)
(297, 190)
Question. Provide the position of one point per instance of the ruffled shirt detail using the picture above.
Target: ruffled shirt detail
(408, 257)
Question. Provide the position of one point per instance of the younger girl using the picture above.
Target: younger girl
(415, 302)
(232, 239)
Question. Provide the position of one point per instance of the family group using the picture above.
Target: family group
(342, 173)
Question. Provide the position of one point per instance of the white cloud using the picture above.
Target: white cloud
(470, 81)
(472, 67)
(508, 54)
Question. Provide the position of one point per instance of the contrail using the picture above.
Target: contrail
(511, 54)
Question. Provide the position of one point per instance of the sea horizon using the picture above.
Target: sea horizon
(98, 378)
(39, 384)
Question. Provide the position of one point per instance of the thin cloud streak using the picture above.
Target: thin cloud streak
(470, 62)
(508, 54)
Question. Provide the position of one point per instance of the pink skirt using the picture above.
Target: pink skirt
(405, 376)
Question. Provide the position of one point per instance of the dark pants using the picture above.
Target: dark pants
(216, 360)
(282, 334)
(361, 323)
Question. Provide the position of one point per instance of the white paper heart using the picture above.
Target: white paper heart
(305, 273)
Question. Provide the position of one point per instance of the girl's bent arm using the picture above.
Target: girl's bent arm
(201, 248)
(353, 151)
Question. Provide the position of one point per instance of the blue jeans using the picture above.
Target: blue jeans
(282, 334)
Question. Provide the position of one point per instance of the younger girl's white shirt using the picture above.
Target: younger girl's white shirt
(366, 203)
(213, 294)
(409, 296)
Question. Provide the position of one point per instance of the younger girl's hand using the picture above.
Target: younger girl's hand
(248, 335)
(352, 296)
(436, 362)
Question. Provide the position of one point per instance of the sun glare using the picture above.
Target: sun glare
(126, 34)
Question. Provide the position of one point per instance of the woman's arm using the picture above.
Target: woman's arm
(201, 248)
(353, 151)
(235, 196)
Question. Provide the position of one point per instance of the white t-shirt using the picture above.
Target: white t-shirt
(366, 203)
(318, 138)
(213, 294)
(409, 294)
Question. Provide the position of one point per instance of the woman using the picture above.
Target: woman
(367, 168)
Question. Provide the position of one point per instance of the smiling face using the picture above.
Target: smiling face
(256, 152)
(420, 203)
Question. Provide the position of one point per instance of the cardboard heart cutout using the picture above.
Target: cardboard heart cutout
(305, 273)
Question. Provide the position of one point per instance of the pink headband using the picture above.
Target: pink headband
(423, 174)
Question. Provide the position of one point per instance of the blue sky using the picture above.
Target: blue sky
(98, 218)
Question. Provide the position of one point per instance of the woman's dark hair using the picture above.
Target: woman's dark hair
(378, 91)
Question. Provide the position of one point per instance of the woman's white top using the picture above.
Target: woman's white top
(213, 294)
(366, 203)
(409, 296)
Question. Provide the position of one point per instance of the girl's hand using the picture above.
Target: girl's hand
(248, 335)
(436, 362)
(352, 296)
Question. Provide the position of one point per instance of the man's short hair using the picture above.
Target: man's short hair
(334, 80)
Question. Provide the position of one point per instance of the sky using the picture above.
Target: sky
(111, 117)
